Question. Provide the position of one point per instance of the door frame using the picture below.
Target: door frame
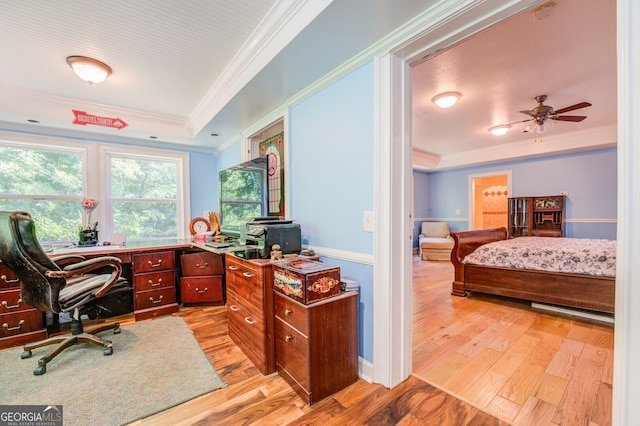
(472, 193)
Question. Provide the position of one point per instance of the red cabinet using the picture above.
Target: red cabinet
(201, 279)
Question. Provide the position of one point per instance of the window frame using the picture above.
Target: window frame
(106, 152)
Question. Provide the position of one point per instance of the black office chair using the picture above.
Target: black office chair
(63, 285)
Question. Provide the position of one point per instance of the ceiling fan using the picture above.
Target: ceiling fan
(540, 114)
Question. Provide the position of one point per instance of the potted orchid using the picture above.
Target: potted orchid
(89, 230)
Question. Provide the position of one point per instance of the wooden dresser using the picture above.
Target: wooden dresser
(250, 309)
(154, 284)
(201, 278)
(317, 344)
(19, 323)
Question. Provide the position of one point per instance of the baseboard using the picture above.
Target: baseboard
(575, 312)
(365, 370)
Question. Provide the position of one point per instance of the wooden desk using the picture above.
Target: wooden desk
(152, 269)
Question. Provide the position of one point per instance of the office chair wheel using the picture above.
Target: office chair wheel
(108, 351)
(25, 355)
(40, 370)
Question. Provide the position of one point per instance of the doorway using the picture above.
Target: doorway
(488, 200)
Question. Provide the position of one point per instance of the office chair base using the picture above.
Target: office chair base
(66, 341)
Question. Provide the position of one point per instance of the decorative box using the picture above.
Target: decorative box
(306, 281)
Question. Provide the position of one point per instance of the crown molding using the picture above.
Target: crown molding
(577, 141)
(281, 25)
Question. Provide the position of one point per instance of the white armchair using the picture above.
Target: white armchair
(434, 241)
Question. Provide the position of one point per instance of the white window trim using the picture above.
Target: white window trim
(180, 158)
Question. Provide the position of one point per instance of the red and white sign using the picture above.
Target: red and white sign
(81, 118)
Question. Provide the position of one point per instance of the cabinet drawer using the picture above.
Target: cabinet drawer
(237, 304)
(292, 349)
(153, 261)
(201, 263)
(10, 301)
(201, 289)
(154, 298)
(247, 331)
(7, 278)
(154, 280)
(292, 312)
(247, 283)
(15, 323)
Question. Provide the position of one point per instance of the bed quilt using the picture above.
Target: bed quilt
(570, 255)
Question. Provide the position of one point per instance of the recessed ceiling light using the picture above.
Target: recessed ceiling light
(544, 11)
(500, 130)
(446, 99)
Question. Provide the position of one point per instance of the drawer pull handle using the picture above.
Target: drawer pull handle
(8, 281)
(202, 291)
(155, 284)
(248, 274)
(203, 266)
(234, 308)
(18, 327)
(155, 265)
(288, 311)
(249, 321)
(156, 301)
(7, 306)
(288, 338)
(233, 268)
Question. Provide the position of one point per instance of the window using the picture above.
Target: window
(142, 192)
(144, 196)
(48, 184)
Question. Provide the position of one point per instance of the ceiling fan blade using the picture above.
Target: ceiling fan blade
(574, 118)
(520, 121)
(572, 107)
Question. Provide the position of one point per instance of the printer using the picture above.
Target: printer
(263, 233)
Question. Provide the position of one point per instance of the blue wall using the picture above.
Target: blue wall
(590, 178)
(331, 166)
(203, 177)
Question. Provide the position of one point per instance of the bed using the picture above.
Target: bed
(571, 289)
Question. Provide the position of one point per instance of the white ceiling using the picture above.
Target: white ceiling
(185, 69)
(569, 56)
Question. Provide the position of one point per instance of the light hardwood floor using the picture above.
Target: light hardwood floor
(494, 357)
(523, 366)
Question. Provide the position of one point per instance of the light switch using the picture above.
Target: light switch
(368, 224)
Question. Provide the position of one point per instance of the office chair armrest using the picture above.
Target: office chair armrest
(81, 268)
(66, 259)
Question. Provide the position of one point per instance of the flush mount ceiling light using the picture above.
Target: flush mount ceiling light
(500, 130)
(89, 69)
(446, 99)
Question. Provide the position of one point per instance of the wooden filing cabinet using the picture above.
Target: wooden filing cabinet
(201, 278)
(154, 284)
(19, 323)
(249, 285)
(317, 344)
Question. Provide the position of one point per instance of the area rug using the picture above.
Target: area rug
(155, 365)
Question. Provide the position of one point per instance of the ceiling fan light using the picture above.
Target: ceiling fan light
(446, 99)
(541, 128)
(499, 130)
(89, 69)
